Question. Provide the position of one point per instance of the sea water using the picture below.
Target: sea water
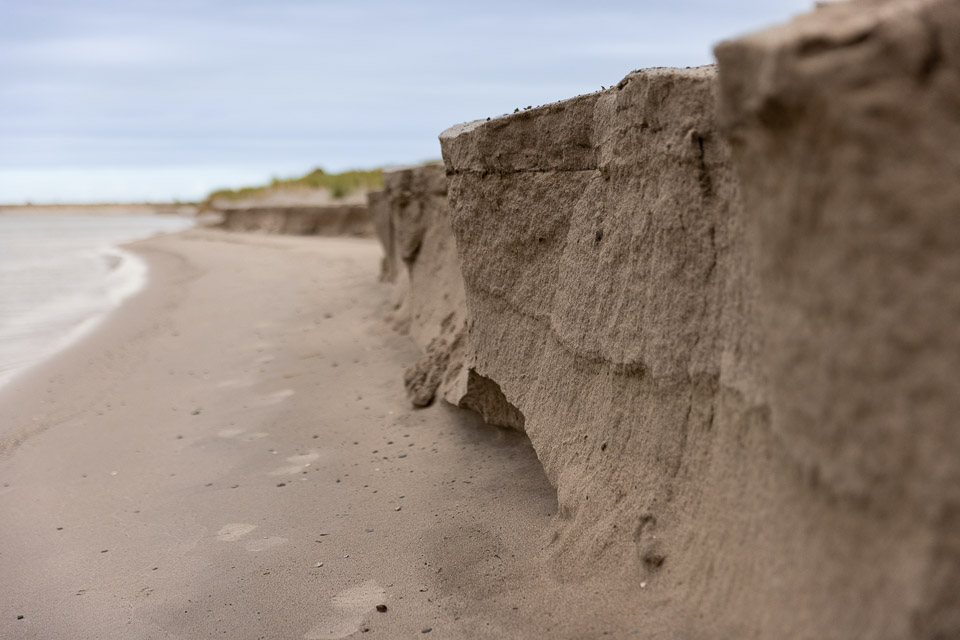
(61, 275)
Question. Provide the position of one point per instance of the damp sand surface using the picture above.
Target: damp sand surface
(230, 454)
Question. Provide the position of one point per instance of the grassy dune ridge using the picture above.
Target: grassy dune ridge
(339, 184)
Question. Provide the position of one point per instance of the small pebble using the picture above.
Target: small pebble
(236, 486)
(369, 530)
(402, 455)
(319, 564)
(396, 508)
(347, 556)
(381, 608)
(427, 630)
(19, 617)
(281, 484)
(196, 412)
(105, 550)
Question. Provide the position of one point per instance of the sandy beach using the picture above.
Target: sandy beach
(183, 471)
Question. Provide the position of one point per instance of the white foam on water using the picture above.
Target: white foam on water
(60, 276)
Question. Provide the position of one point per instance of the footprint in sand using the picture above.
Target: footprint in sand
(233, 532)
(274, 398)
(347, 611)
(227, 384)
(264, 543)
(297, 464)
(227, 434)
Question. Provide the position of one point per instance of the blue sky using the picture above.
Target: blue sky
(110, 100)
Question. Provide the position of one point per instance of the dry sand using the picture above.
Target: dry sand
(180, 472)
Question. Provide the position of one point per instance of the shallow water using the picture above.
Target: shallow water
(61, 275)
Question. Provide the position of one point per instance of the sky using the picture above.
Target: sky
(107, 100)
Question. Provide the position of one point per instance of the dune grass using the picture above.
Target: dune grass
(339, 184)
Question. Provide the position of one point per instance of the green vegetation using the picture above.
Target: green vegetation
(339, 184)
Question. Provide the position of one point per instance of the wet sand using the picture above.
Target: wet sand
(181, 472)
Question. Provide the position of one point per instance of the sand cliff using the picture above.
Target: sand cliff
(722, 304)
(412, 219)
(300, 220)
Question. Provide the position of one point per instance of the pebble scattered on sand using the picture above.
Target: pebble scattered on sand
(281, 484)
(382, 608)
(104, 550)
(426, 630)
(196, 412)
(319, 564)
(396, 508)
(19, 617)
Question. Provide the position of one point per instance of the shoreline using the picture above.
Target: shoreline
(91, 256)
(185, 209)
(68, 361)
(180, 471)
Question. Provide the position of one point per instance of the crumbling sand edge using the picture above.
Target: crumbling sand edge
(412, 219)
